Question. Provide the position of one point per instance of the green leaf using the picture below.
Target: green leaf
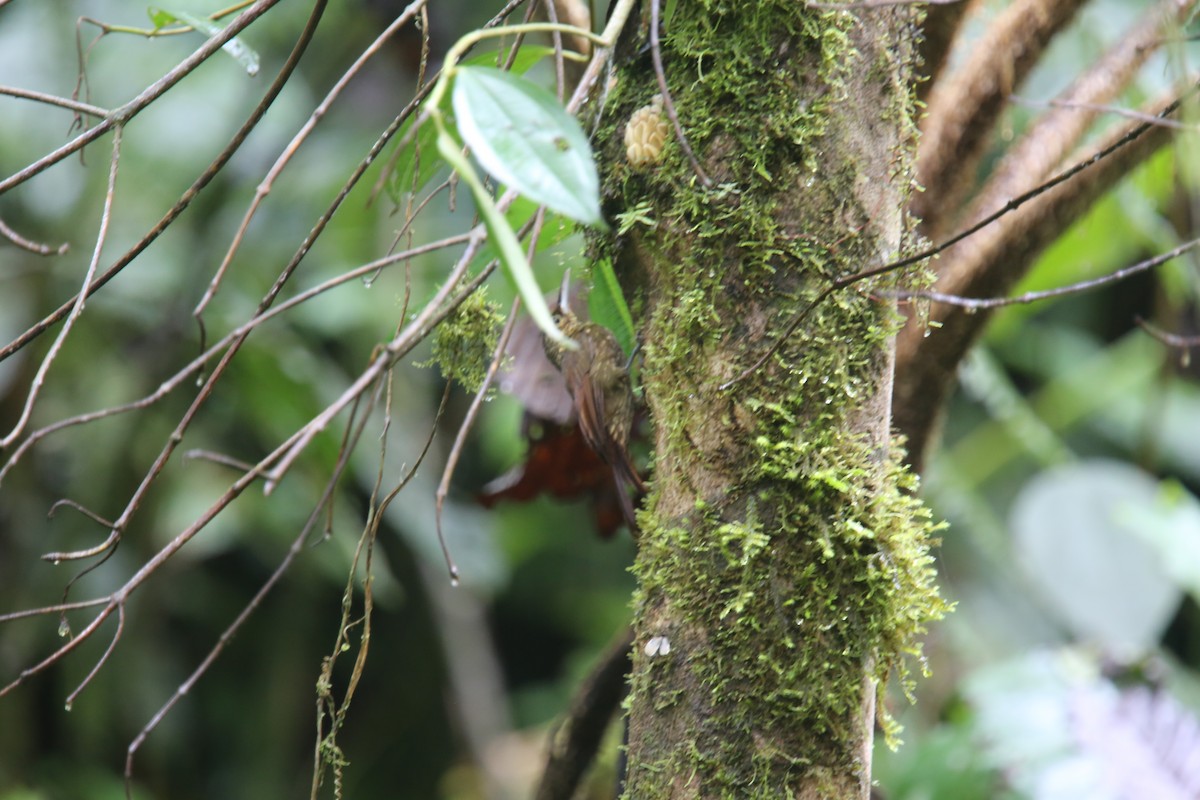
(668, 13)
(527, 56)
(512, 258)
(607, 306)
(1105, 583)
(418, 160)
(235, 47)
(522, 135)
(160, 18)
(554, 230)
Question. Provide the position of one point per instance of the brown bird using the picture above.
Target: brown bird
(597, 377)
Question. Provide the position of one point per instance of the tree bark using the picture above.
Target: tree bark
(783, 564)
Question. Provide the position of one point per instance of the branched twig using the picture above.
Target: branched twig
(101, 237)
(197, 364)
(437, 309)
(100, 662)
(228, 634)
(75, 555)
(988, 266)
(268, 182)
(274, 464)
(58, 608)
(125, 113)
(117, 600)
(203, 180)
(434, 312)
(1052, 136)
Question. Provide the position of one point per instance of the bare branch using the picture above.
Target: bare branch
(942, 24)
(964, 106)
(108, 651)
(1053, 136)
(228, 634)
(110, 605)
(433, 313)
(55, 558)
(58, 608)
(988, 265)
(198, 363)
(575, 740)
(1098, 157)
(186, 198)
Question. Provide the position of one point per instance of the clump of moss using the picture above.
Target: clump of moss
(463, 343)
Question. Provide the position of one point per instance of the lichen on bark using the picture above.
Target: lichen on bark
(783, 553)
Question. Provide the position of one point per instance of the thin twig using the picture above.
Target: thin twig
(434, 312)
(1103, 108)
(876, 4)
(1011, 205)
(1185, 343)
(100, 662)
(223, 459)
(198, 363)
(151, 475)
(57, 608)
(76, 555)
(460, 438)
(981, 303)
(323, 743)
(268, 182)
(668, 103)
(54, 100)
(186, 198)
(71, 504)
(125, 113)
(39, 379)
(294, 550)
(30, 245)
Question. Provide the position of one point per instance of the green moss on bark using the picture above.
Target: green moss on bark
(783, 553)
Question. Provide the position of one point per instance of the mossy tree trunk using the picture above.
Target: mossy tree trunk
(783, 563)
